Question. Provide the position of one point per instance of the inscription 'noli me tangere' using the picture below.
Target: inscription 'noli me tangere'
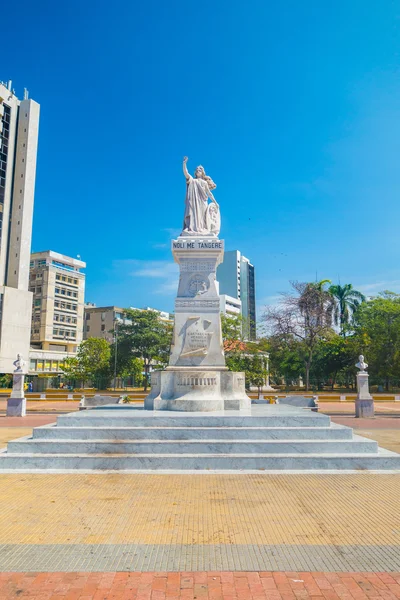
(197, 244)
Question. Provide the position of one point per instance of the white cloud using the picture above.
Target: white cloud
(166, 271)
(368, 289)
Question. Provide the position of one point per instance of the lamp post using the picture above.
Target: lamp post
(115, 351)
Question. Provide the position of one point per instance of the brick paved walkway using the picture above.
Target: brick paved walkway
(200, 585)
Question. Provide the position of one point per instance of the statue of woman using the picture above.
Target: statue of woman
(198, 219)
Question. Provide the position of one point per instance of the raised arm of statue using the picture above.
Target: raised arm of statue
(185, 171)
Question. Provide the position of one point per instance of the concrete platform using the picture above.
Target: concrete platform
(266, 437)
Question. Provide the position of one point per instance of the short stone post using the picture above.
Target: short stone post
(364, 401)
(16, 403)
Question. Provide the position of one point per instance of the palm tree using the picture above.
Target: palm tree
(347, 302)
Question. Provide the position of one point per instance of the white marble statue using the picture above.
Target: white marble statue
(201, 218)
(19, 364)
(361, 364)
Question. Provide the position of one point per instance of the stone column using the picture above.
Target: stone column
(197, 378)
(364, 401)
(16, 403)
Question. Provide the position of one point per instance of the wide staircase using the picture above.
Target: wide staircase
(271, 438)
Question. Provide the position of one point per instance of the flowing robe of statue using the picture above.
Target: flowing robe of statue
(200, 217)
(196, 203)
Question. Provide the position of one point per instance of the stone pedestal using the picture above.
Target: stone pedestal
(197, 378)
(16, 404)
(364, 401)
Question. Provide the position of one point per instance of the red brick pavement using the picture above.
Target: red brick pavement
(202, 586)
(28, 421)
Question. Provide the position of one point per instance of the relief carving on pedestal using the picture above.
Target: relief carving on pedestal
(197, 338)
(197, 285)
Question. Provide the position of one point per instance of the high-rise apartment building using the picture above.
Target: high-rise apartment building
(236, 278)
(19, 127)
(58, 288)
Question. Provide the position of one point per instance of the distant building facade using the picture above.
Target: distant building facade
(58, 287)
(19, 129)
(230, 306)
(236, 278)
(100, 321)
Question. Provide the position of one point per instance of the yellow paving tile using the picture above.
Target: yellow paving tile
(12, 433)
(386, 438)
(200, 509)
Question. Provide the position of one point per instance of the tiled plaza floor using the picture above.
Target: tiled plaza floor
(140, 522)
(214, 585)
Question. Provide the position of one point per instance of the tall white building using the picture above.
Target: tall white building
(19, 127)
(236, 279)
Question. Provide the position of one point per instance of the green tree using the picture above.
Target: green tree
(147, 338)
(334, 355)
(377, 326)
(232, 327)
(92, 362)
(347, 301)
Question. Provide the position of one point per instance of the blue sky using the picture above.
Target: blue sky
(292, 107)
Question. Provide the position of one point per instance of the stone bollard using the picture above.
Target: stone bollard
(364, 401)
(342, 398)
(397, 398)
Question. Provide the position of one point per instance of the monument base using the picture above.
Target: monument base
(197, 390)
(365, 408)
(364, 401)
(16, 407)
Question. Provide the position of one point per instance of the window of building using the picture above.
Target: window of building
(103, 316)
(56, 317)
(38, 302)
(57, 290)
(75, 281)
(38, 290)
(62, 291)
(87, 317)
(103, 327)
(87, 327)
(55, 331)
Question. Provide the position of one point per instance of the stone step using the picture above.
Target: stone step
(384, 460)
(110, 418)
(188, 433)
(358, 446)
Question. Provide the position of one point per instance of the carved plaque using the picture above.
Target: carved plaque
(197, 338)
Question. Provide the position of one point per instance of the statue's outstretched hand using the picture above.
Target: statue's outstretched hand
(185, 159)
